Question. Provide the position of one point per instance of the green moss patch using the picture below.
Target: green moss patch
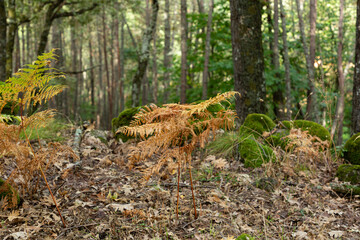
(352, 149)
(245, 237)
(254, 154)
(7, 191)
(349, 173)
(257, 124)
(346, 189)
(313, 128)
(124, 119)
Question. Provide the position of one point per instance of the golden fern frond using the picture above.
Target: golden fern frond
(200, 107)
(38, 119)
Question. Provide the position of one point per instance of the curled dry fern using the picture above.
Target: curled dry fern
(28, 87)
(173, 132)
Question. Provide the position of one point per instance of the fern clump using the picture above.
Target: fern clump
(29, 87)
(174, 131)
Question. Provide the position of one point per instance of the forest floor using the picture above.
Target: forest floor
(102, 199)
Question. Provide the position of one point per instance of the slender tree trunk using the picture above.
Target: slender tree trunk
(119, 84)
(207, 51)
(248, 57)
(74, 69)
(80, 75)
(311, 108)
(112, 66)
(270, 27)
(109, 95)
(100, 92)
(155, 75)
(122, 63)
(92, 77)
(356, 87)
(2, 41)
(167, 51)
(339, 114)
(278, 96)
(23, 60)
(184, 31)
(28, 42)
(12, 29)
(286, 63)
(17, 56)
(144, 55)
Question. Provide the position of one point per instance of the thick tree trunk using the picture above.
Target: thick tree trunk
(10, 42)
(339, 114)
(356, 87)
(286, 63)
(207, 51)
(109, 95)
(311, 108)
(184, 31)
(2, 41)
(144, 55)
(167, 56)
(248, 57)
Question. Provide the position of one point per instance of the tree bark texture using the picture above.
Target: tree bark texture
(74, 69)
(339, 113)
(92, 78)
(278, 96)
(144, 55)
(2, 41)
(207, 51)
(247, 57)
(154, 71)
(356, 86)
(286, 63)
(184, 30)
(12, 29)
(167, 57)
(119, 84)
(100, 92)
(109, 95)
(122, 63)
(311, 107)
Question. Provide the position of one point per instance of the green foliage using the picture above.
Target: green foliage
(225, 145)
(7, 191)
(124, 119)
(51, 131)
(257, 124)
(349, 173)
(278, 139)
(352, 149)
(245, 237)
(313, 128)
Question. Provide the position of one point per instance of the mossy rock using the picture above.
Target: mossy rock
(253, 153)
(124, 119)
(352, 149)
(346, 189)
(257, 124)
(8, 191)
(349, 173)
(313, 128)
(245, 237)
(101, 135)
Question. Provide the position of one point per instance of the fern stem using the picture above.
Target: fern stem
(178, 190)
(43, 175)
(192, 191)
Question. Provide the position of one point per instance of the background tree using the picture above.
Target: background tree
(184, 32)
(2, 41)
(356, 87)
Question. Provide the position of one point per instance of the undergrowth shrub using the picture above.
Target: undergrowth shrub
(173, 132)
(28, 87)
